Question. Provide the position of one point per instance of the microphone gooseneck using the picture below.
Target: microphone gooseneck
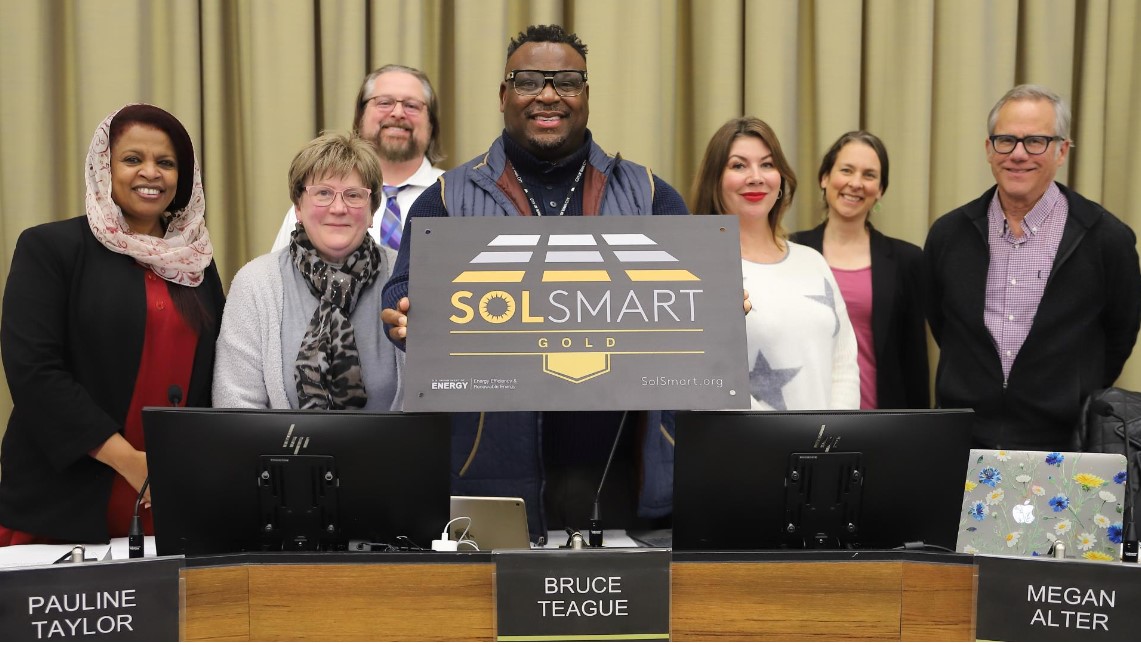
(1129, 537)
(135, 539)
(594, 535)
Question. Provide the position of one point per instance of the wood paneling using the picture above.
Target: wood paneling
(938, 602)
(217, 604)
(723, 601)
(771, 601)
(371, 602)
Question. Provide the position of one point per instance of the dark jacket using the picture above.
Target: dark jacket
(1083, 331)
(72, 336)
(898, 331)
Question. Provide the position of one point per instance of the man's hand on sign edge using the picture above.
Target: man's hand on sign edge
(397, 319)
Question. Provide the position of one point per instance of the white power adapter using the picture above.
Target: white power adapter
(444, 544)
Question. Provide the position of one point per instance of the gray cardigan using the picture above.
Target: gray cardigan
(262, 308)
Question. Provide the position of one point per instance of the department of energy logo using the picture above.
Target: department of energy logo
(575, 302)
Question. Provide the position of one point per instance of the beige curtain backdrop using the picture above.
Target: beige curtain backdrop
(253, 80)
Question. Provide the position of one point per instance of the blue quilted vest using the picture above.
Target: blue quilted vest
(500, 453)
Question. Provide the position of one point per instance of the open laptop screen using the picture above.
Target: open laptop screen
(225, 481)
(1026, 503)
(853, 479)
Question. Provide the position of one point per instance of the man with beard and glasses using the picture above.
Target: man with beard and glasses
(398, 113)
(546, 163)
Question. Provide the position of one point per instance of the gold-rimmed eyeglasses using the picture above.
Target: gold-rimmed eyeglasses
(386, 104)
(353, 197)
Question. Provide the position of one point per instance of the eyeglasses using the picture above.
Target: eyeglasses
(386, 104)
(324, 196)
(530, 82)
(1034, 144)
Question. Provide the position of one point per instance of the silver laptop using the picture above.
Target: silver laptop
(1023, 503)
(496, 523)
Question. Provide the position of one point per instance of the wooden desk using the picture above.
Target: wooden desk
(450, 597)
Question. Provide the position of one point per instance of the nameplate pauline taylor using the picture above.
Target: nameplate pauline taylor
(127, 600)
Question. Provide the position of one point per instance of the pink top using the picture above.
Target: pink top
(856, 287)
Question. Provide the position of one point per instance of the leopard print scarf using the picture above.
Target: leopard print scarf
(328, 367)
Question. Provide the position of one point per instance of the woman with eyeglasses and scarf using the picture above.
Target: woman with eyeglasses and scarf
(302, 325)
(105, 314)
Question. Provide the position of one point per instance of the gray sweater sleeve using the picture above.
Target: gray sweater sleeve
(247, 364)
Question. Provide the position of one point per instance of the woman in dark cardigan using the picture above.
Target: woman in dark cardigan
(880, 277)
(105, 314)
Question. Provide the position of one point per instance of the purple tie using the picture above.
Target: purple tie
(390, 228)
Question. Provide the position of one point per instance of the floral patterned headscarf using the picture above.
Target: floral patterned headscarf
(182, 255)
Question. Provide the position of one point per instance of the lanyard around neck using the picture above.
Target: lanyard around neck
(566, 202)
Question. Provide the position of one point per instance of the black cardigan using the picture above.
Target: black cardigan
(71, 335)
(898, 331)
(1083, 331)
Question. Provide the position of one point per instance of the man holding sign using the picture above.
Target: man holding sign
(547, 164)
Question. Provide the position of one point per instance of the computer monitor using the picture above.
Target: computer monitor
(225, 481)
(768, 480)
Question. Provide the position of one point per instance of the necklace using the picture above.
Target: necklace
(566, 202)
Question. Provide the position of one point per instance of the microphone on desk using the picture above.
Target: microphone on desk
(135, 539)
(594, 535)
(1129, 537)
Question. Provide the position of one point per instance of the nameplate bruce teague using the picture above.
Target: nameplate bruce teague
(575, 313)
(611, 594)
(1038, 599)
(126, 600)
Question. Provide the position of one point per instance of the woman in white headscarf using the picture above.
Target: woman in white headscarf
(105, 314)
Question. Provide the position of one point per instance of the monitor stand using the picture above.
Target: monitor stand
(298, 498)
(822, 499)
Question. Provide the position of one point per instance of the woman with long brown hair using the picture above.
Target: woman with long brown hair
(801, 348)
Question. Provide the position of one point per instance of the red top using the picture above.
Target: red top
(168, 357)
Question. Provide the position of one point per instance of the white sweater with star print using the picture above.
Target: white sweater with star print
(802, 349)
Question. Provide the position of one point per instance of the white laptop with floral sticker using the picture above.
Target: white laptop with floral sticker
(1022, 503)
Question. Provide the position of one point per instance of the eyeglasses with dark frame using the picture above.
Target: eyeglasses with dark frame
(386, 104)
(1034, 144)
(530, 82)
(354, 197)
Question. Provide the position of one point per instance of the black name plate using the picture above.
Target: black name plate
(612, 594)
(1036, 599)
(128, 600)
(576, 313)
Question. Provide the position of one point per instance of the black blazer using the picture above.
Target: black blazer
(71, 334)
(902, 376)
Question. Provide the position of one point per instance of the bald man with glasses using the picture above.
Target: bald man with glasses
(1034, 292)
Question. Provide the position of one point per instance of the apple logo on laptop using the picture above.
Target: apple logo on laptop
(1023, 513)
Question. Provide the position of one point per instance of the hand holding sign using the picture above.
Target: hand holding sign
(397, 319)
